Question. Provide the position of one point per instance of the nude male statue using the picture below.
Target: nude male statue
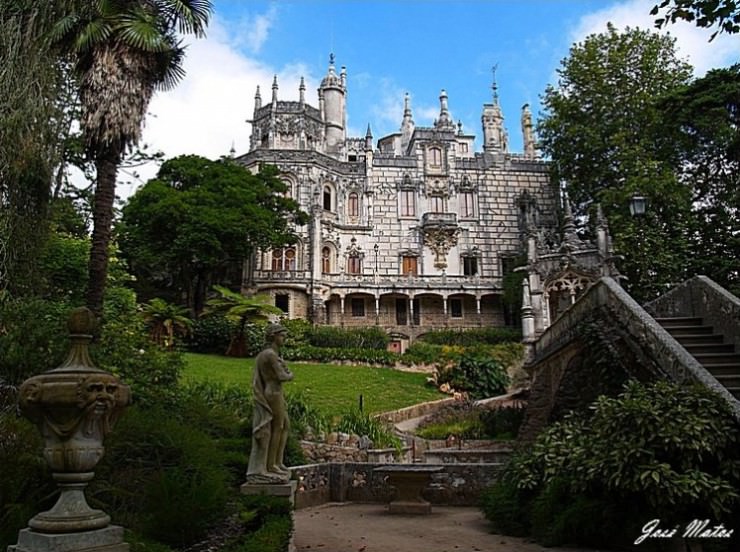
(270, 425)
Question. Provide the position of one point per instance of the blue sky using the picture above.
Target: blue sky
(389, 47)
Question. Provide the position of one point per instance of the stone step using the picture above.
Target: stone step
(723, 369)
(718, 358)
(735, 392)
(699, 339)
(704, 348)
(689, 330)
(679, 321)
(729, 381)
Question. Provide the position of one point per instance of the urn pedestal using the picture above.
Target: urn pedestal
(74, 407)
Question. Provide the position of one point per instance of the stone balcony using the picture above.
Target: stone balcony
(438, 220)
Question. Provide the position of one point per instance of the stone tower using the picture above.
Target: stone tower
(495, 139)
(333, 92)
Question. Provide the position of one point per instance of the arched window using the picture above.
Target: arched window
(354, 264)
(327, 198)
(467, 205)
(435, 157)
(284, 259)
(353, 205)
(326, 260)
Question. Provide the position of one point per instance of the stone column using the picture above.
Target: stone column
(478, 310)
(74, 406)
(411, 310)
(444, 310)
(341, 310)
(377, 310)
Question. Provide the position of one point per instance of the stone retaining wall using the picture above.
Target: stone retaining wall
(455, 485)
(415, 411)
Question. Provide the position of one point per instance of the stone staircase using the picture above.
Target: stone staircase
(709, 349)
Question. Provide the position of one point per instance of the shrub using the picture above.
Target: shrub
(271, 522)
(666, 451)
(506, 506)
(502, 423)
(361, 423)
(154, 461)
(356, 338)
(211, 334)
(420, 352)
(298, 331)
(26, 487)
(471, 337)
(479, 375)
(330, 354)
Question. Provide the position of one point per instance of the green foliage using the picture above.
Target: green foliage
(166, 322)
(33, 337)
(502, 423)
(507, 507)
(270, 521)
(303, 416)
(724, 14)
(361, 423)
(198, 217)
(212, 334)
(666, 451)
(464, 426)
(63, 263)
(154, 461)
(329, 354)
(298, 331)
(602, 129)
(472, 337)
(701, 122)
(481, 376)
(26, 486)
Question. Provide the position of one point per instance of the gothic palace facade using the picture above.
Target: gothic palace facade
(411, 234)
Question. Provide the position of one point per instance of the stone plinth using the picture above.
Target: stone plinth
(286, 490)
(109, 539)
(409, 481)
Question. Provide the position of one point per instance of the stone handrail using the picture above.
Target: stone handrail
(672, 359)
(703, 298)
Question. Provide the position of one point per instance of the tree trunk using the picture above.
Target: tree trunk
(105, 192)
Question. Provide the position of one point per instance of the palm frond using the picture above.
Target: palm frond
(93, 33)
(139, 30)
(190, 16)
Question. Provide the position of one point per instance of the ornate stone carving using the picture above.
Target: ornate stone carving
(440, 239)
(75, 406)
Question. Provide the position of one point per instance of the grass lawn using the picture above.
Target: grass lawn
(332, 389)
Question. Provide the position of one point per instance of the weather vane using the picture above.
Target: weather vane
(494, 86)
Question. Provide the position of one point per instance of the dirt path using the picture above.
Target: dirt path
(347, 527)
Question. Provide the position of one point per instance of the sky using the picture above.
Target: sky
(389, 47)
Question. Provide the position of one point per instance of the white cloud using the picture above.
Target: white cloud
(691, 41)
(206, 113)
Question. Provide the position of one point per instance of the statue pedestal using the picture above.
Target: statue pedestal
(109, 539)
(286, 490)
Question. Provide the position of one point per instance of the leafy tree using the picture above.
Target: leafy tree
(30, 81)
(599, 128)
(166, 321)
(199, 218)
(243, 310)
(702, 125)
(724, 14)
(122, 52)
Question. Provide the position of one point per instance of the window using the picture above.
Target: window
(409, 265)
(463, 148)
(354, 265)
(358, 306)
(437, 204)
(326, 260)
(470, 266)
(456, 309)
(282, 301)
(408, 207)
(327, 198)
(435, 157)
(467, 205)
(417, 312)
(353, 205)
(283, 259)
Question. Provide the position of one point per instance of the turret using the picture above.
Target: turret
(407, 125)
(274, 92)
(495, 139)
(302, 93)
(444, 122)
(333, 91)
(257, 99)
(530, 147)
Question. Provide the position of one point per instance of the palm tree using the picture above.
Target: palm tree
(122, 51)
(237, 307)
(166, 321)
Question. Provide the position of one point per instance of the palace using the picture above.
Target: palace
(412, 234)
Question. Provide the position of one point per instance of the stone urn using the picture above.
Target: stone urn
(74, 406)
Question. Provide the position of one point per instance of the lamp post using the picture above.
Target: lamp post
(376, 247)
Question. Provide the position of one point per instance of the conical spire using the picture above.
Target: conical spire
(274, 89)
(444, 121)
(257, 99)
